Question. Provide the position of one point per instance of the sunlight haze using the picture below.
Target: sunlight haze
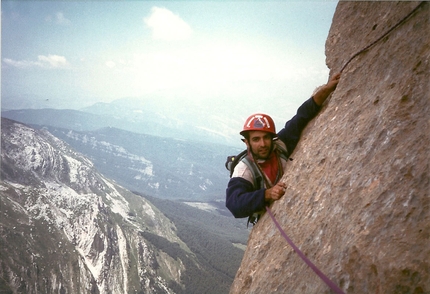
(67, 54)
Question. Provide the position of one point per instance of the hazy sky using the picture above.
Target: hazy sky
(67, 54)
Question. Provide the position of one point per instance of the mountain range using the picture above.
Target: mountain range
(67, 228)
(154, 116)
(161, 167)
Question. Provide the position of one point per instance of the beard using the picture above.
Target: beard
(262, 153)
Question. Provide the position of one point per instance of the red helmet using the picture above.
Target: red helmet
(259, 122)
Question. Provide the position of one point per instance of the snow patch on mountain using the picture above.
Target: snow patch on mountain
(118, 203)
(122, 246)
(203, 206)
(62, 194)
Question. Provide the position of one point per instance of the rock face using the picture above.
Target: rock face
(357, 202)
(64, 228)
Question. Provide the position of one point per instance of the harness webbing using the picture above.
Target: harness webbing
(385, 34)
(323, 277)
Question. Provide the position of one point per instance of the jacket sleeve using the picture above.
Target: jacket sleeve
(242, 199)
(290, 134)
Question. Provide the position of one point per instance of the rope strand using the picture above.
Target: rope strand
(383, 36)
(323, 277)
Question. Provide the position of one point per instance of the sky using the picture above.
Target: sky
(71, 54)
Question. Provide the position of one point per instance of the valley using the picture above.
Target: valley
(59, 203)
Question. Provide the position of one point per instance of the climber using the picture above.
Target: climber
(245, 197)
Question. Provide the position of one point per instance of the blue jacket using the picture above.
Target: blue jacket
(242, 199)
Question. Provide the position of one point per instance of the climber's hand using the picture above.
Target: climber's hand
(332, 83)
(276, 192)
(323, 92)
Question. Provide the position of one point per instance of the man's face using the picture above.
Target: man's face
(260, 144)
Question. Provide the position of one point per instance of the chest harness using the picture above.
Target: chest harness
(261, 180)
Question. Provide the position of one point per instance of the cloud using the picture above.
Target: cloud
(166, 25)
(110, 64)
(49, 62)
(53, 61)
(19, 63)
(58, 18)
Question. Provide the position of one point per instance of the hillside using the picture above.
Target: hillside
(65, 228)
(153, 165)
(357, 203)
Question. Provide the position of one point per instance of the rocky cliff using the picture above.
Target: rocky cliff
(357, 202)
(65, 228)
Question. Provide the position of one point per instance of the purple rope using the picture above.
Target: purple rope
(323, 277)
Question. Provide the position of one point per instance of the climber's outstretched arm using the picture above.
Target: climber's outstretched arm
(322, 93)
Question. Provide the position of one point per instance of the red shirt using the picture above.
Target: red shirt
(270, 167)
